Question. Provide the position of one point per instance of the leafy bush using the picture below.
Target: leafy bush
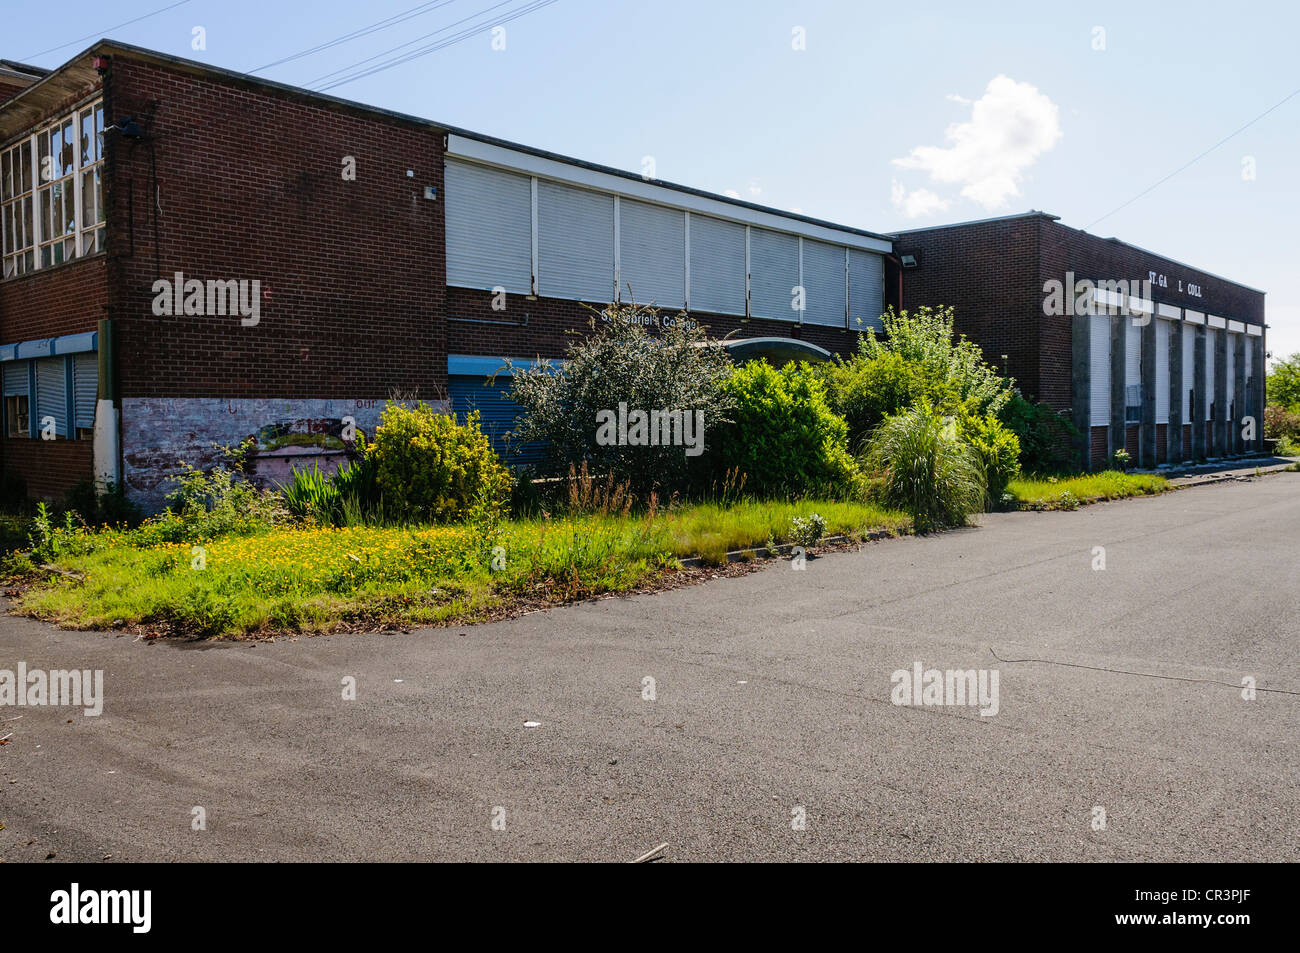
(998, 450)
(1280, 422)
(783, 436)
(864, 391)
(807, 532)
(929, 471)
(429, 466)
(1283, 383)
(676, 369)
(1046, 436)
(347, 498)
(208, 504)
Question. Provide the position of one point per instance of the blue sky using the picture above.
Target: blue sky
(720, 98)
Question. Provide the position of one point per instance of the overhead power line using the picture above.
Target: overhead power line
(104, 32)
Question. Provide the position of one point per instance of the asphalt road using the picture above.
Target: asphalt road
(772, 693)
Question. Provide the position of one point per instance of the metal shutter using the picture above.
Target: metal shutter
(575, 243)
(651, 254)
(1162, 371)
(489, 228)
(85, 386)
(1099, 371)
(773, 274)
(1132, 353)
(1232, 369)
(717, 266)
(15, 378)
(1189, 370)
(866, 289)
(823, 283)
(497, 413)
(1209, 370)
(52, 394)
(1250, 359)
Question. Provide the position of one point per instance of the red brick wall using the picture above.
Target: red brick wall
(1162, 443)
(50, 467)
(1098, 442)
(66, 299)
(250, 186)
(987, 272)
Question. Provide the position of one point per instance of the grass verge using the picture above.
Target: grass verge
(313, 579)
(1067, 493)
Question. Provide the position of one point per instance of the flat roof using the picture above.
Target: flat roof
(108, 47)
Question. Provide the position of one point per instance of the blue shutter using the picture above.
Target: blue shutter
(15, 378)
(85, 385)
(52, 394)
(497, 413)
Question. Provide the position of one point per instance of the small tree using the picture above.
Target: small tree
(1284, 383)
(620, 369)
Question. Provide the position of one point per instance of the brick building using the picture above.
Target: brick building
(192, 257)
(1145, 353)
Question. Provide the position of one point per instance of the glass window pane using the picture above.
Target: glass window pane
(43, 160)
(87, 137)
(6, 176)
(46, 228)
(88, 198)
(69, 249)
(28, 235)
(68, 150)
(101, 236)
(23, 162)
(99, 131)
(99, 194)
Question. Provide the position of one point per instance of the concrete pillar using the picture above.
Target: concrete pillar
(1174, 441)
(1147, 433)
(1199, 398)
(1219, 431)
(1117, 364)
(1260, 402)
(1081, 386)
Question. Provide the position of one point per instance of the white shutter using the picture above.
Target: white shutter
(866, 290)
(1250, 360)
(1132, 353)
(52, 394)
(1189, 371)
(1231, 382)
(717, 266)
(85, 387)
(1209, 370)
(1162, 372)
(489, 228)
(1099, 371)
(575, 243)
(823, 283)
(652, 254)
(773, 274)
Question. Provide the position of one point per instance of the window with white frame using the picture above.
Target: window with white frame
(51, 193)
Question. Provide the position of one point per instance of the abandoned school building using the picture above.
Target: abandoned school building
(193, 257)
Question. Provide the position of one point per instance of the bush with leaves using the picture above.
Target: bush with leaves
(429, 466)
(1283, 383)
(928, 470)
(623, 362)
(783, 436)
(1047, 437)
(1280, 423)
(349, 497)
(998, 450)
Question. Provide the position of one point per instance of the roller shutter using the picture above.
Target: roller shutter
(489, 228)
(1209, 370)
(1231, 382)
(866, 290)
(1099, 370)
(575, 243)
(823, 283)
(1162, 372)
(85, 385)
(497, 413)
(717, 266)
(52, 394)
(773, 274)
(15, 378)
(1189, 370)
(652, 254)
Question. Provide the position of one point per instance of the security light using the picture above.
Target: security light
(907, 261)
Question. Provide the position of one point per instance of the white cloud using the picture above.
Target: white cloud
(731, 193)
(1010, 126)
(916, 203)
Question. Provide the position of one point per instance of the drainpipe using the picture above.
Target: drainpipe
(107, 443)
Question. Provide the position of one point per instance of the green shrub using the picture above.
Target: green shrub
(212, 503)
(808, 531)
(674, 369)
(1281, 422)
(864, 391)
(928, 470)
(1283, 383)
(429, 466)
(1047, 437)
(999, 453)
(783, 436)
(347, 498)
